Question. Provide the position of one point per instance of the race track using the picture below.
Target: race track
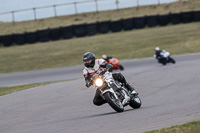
(169, 94)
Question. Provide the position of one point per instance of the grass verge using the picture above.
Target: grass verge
(191, 127)
(12, 89)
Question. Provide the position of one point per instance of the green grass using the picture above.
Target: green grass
(191, 127)
(19, 27)
(178, 39)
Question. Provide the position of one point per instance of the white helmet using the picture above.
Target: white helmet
(157, 48)
(104, 56)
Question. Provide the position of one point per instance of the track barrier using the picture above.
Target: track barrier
(83, 30)
(187, 17)
(127, 24)
(67, 32)
(175, 18)
(116, 26)
(43, 35)
(91, 29)
(139, 22)
(19, 39)
(196, 16)
(7, 40)
(31, 37)
(55, 34)
(80, 30)
(152, 21)
(163, 20)
(103, 27)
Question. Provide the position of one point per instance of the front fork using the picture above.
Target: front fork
(109, 90)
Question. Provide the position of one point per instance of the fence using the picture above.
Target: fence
(74, 8)
(83, 30)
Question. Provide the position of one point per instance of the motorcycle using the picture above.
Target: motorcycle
(116, 64)
(114, 92)
(165, 58)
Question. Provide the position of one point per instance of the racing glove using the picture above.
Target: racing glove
(88, 84)
(107, 66)
(88, 80)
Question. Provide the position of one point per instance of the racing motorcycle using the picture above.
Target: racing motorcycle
(165, 58)
(114, 92)
(116, 64)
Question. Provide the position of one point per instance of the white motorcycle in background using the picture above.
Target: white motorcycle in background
(165, 58)
(115, 93)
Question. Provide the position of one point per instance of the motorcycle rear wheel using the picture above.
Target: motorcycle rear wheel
(121, 67)
(113, 102)
(135, 102)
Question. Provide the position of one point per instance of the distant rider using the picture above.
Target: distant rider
(157, 52)
(107, 58)
(93, 66)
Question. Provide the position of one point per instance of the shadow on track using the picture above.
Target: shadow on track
(99, 115)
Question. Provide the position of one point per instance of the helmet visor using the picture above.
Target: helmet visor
(88, 61)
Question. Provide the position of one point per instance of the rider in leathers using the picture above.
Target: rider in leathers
(92, 66)
(157, 53)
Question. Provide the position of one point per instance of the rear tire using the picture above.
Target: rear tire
(121, 67)
(163, 61)
(113, 102)
(135, 102)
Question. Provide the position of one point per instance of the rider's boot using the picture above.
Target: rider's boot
(130, 88)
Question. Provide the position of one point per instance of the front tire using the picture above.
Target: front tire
(135, 102)
(163, 61)
(113, 102)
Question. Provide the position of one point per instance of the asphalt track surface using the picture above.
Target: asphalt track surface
(169, 94)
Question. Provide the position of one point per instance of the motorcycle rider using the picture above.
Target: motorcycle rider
(92, 66)
(107, 58)
(157, 52)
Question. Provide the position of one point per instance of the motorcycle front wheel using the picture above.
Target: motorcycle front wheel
(114, 102)
(172, 60)
(164, 62)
